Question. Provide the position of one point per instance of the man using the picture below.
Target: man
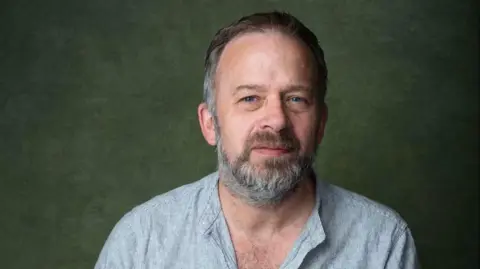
(264, 110)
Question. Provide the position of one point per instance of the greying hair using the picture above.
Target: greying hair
(261, 22)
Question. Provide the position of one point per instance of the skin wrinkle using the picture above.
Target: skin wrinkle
(313, 225)
(266, 129)
(280, 175)
(265, 100)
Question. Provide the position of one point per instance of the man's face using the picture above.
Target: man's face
(268, 122)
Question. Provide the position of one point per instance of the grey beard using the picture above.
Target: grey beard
(266, 184)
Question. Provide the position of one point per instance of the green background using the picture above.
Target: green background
(98, 114)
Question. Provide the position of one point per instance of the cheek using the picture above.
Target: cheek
(305, 133)
(234, 134)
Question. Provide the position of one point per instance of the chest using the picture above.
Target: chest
(256, 258)
(251, 255)
(211, 252)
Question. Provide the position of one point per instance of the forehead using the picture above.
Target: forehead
(268, 58)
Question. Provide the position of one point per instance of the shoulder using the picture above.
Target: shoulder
(346, 207)
(174, 205)
(160, 218)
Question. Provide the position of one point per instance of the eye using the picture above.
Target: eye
(298, 103)
(297, 99)
(250, 102)
(249, 99)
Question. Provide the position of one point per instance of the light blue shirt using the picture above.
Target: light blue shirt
(185, 228)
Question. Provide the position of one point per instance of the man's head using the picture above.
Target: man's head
(265, 82)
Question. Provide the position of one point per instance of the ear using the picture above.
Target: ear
(323, 121)
(206, 124)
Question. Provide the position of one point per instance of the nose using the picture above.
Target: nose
(275, 117)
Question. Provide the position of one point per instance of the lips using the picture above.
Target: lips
(272, 148)
(275, 151)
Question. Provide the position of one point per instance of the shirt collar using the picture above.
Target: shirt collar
(314, 232)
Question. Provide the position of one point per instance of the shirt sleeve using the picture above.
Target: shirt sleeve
(403, 254)
(120, 247)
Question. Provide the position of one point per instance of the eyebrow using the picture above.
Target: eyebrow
(259, 87)
(255, 87)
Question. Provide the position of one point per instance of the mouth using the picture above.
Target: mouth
(271, 151)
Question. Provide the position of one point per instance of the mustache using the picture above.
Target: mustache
(284, 140)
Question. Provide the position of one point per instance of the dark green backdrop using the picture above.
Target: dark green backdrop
(98, 114)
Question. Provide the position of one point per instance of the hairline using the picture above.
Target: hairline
(213, 59)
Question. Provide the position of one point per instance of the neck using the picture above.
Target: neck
(293, 211)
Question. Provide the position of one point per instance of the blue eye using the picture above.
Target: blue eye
(249, 99)
(297, 99)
